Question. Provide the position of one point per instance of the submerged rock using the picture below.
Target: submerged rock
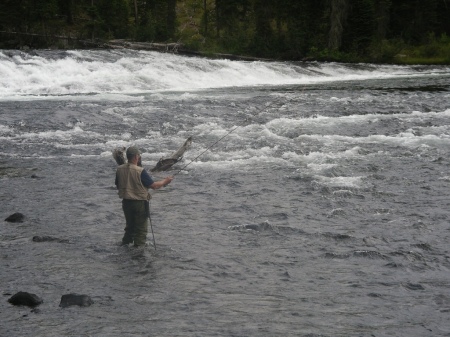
(253, 227)
(25, 298)
(16, 217)
(48, 239)
(75, 299)
(14, 172)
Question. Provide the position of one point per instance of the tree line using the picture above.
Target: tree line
(288, 29)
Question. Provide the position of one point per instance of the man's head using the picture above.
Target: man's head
(132, 151)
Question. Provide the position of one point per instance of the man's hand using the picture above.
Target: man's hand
(161, 183)
(167, 180)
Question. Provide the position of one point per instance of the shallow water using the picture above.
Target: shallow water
(324, 210)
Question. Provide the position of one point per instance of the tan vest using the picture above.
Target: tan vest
(130, 184)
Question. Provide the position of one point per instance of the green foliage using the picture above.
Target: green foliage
(337, 30)
(11, 14)
(146, 31)
(360, 26)
(434, 51)
(332, 55)
(114, 16)
(385, 51)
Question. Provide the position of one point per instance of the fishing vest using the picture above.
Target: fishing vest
(129, 183)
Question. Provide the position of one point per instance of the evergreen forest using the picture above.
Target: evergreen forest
(389, 31)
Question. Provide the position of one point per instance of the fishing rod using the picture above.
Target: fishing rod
(223, 137)
(118, 156)
(207, 149)
(202, 153)
(151, 226)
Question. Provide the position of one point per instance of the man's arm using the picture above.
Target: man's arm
(148, 182)
(161, 183)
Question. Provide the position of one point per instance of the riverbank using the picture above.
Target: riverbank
(22, 41)
(436, 52)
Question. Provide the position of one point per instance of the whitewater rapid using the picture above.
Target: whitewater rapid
(47, 74)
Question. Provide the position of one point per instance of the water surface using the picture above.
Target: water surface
(323, 211)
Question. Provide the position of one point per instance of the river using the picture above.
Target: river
(314, 200)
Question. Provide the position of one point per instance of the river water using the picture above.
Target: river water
(323, 209)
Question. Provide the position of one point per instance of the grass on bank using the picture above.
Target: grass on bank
(433, 51)
(436, 51)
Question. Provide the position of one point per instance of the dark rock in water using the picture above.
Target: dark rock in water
(252, 227)
(424, 246)
(16, 217)
(43, 238)
(48, 239)
(75, 299)
(24, 298)
(412, 286)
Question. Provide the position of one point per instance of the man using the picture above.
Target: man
(133, 182)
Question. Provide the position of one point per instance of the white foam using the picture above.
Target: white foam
(6, 131)
(133, 73)
(56, 135)
(341, 182)
(297, 126)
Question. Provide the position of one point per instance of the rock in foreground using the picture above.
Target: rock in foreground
(75, 299)
(24, 298)
(16, 217)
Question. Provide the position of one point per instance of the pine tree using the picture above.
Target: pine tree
(338, 20)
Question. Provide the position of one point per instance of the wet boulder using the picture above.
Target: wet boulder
(25, 298)
(75, 299)
(16, 217)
